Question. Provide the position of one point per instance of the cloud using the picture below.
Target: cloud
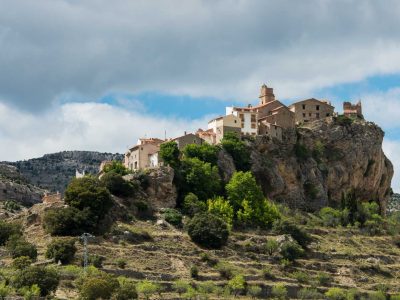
(223, 49)
(81, 126)
(391, 149)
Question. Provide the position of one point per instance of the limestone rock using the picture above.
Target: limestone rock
(226, 165)
(161, 192)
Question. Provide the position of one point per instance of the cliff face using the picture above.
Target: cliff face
(319, 162)
(54, 171)
(13, 186)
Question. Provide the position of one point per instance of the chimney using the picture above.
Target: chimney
(185, 132)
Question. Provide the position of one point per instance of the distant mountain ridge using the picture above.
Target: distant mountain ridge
(54, 171)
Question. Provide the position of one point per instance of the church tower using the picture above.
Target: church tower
(266, 94)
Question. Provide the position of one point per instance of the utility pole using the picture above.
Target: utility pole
(85, 238)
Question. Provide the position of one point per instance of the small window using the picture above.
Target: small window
(141, 148)
(242, 125)
(253, 118)
(317, 107)
(317, 115)
(309, 114)
(235, 121)
(304, 106)
(327, 114)
(253, 125)
(241, 116)
(304, 115)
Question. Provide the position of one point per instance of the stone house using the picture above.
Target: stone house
(138, 156)
(187, 139)
(223, 124)
(209, 136)
(353, 110)
(311, 109)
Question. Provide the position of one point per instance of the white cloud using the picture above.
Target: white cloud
(392, 150)
(81, 126)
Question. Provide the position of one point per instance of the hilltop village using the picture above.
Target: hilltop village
(270, 117)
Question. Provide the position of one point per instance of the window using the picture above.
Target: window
(309, 114)
(235, 121)
(253, 118)
(241, 116)
(253, 125)
(242, 125)
(304, 115)
(327, 114)
(304, 106)
(317, 107)
(317, 115)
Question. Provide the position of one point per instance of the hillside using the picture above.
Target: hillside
(53, 171)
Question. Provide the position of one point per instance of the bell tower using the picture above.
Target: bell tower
(266, 94)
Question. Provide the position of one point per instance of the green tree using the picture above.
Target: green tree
(62, 250)
(169, 153)
(221, 208)
(172, 216)
(291, 250)
(199, 178)
(147, 288)
(126, 290)
(205, 152)
(117, 167)
(117, 185)
(47, 279)
(279, 291)
(18, 246)
(208, 230)
(237, 149)
(88, 192)
(7, 230)
(94, 288)
(192, 205)
(21, 262)
(237, 284)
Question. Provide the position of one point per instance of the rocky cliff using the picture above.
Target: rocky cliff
(318, 163)
(13, 186)
(54, 171)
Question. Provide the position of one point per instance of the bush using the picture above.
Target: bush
(11, 206)
(117, 185)
(237, 149)
(62, 250)
(116, 167)
(221, 208)
(101, 287)
(279, 291)
(180, 287)
(287, 227)
(254, 291)
(291, 250)
(121, 263)
(226, 270)
(194, 271)
(309, 293)
(172, 216)
(301, 277)
(47, 279)
(21, 262)
(267, 273)
(95, 260)
(7, 230)
(88, 192)
(324, 279)
(379, 295)
(169, 153)
(30, 293)
(336, 294)
(343, 120)
(126, 290)
(207, 259)
(271, 246)
(301, 152)
(68, 221)
(192, 205)
(330, 217)
(148, 288)
(208, 231)
(237, 284)
(19, 247)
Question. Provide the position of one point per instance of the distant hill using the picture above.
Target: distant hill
(54, 171)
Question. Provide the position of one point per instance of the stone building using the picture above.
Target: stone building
(138, 156)
(221, 125)
(248, 119)
(353, 110)
(311, 109)
(187, 139)
(209, 136)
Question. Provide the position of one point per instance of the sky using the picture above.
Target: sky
(97, 74)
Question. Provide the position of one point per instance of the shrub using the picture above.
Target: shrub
(126, 290)
(343, 120)
(237, 149)
(19, 247)
(267, 273)
(254, 291)
(336, 294)
(95, 287)
(30, 293)
(237, 284)
(47, 279)
(221, 208)
(287, 227)
(121, 263)
(291, 250)
(7, 230)
(147, 288)
(12, 206)
(117, 185)
(95, 260)
(21, 262)
(206, 288)
(194, 271)
(62, 250)
(172, 216)
(208, 231)
(207, 259)
(301, 277)
(379, 295)
(310, 190)
(5, 290)
(192, 205)
(68, 221)
(324, 279)
(226, 270)
(180, 287)
(271, 246)
(330, 216)
(279, 291)
(309, 293)
(88, 192)
(116, 167)
(301, 151)
(169, 153)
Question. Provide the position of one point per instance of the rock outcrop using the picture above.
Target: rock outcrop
(318, 163)
(13, 186)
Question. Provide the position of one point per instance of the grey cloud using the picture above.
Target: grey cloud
(221, 48)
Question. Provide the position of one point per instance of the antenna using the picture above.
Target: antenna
(85, 238)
